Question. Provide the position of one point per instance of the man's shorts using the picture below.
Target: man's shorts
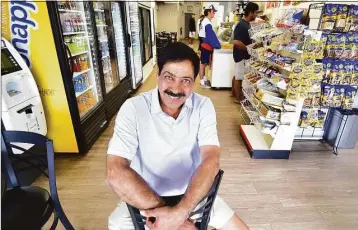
(120, 218)
(205, 56)
(192, 34)
(240, 70)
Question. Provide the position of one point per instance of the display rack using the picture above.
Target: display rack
(273, 114)
(335, 25)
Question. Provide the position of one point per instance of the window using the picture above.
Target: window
(146, 34)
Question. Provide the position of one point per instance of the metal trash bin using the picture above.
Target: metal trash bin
(342, 129)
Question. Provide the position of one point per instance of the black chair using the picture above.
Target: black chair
(203, 213)
(29, 207)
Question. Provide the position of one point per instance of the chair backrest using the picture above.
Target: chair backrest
(201, 215)
(9, 137)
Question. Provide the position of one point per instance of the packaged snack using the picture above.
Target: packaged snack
(338, 96)
(313, 49)
(331, 45)
(308, 63)
(347, 73)
(354, 23)
(335, 74)
(312, 117)
(318, 70)
(304, 119)
(327, 68)
(329, 17)
(350, 94)
(321, 116)
(348, 47)
(349, 20)
(354, 79)
(341, 17)
(308, 101)
(324, 38)
(340, 45)
(316, 99)
(327, 96)
(355, 46)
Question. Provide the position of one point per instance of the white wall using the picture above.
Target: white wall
(167, 17)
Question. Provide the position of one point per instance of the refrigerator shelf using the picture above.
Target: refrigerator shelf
(79, 53)
(75, 74)
(103, 40)
(104, 25)
(70, 11)
(98, 10)
(106, 56)
(80, 93)
(73, 33)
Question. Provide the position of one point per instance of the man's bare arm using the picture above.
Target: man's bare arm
(238, 44)
(202, 180)
(129, 186)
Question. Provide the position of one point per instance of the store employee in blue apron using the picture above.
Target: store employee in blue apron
(165, 143)
(241, 40)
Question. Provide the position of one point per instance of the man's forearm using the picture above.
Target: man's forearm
(238, 44)
(200, 184)
(132, 189)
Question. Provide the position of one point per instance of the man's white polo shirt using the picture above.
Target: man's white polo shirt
(164, 151)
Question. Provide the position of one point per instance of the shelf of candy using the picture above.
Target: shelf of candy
(77, 44)
(86, 102)
(267, 71)
(339, 18)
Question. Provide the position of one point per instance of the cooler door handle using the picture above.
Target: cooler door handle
(129, 40)
(70, 61)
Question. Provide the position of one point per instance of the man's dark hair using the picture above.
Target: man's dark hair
(178, 52)
(251, 7)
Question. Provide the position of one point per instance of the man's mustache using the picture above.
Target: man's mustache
(170, 93)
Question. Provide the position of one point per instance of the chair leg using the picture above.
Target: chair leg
(55, 221)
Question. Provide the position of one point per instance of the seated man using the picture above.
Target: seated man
(165, 143)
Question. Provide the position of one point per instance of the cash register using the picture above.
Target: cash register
(21, 105)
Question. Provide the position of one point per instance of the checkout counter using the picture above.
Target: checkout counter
(222, 68)
(223, 65)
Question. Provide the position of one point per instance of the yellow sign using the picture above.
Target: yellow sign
(27, 26)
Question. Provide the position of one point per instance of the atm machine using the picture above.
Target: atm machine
(21, 104)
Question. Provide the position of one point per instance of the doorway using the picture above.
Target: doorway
(186, 26)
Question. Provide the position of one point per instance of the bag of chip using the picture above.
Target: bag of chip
(338, 96)
(354, 80)
(341, 17)
(304, 119)
(355, 46)
(329, 17)
(350, 94)
(316, 99)
(327, 69)
(340, 46)
(321, 116)
(347, 73)
(349, 20)
(327, 96)
(354, 23)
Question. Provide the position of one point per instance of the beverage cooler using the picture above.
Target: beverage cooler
(91, 44)
(79, 56)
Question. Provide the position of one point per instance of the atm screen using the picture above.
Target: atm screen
(8, 62)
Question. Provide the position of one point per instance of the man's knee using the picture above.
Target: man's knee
(120, 218)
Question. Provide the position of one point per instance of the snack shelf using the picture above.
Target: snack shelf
(250, 111)
(262, 75)
(75, 74)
